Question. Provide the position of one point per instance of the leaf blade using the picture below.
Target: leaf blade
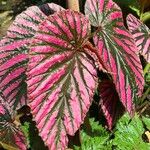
(117, 49)
(56, 77)
(141, 35)
(110, 103)
(14, 52)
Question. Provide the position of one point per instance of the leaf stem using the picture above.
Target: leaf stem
(94, 50)
(146, 69)
(73, 5)
(87, 125)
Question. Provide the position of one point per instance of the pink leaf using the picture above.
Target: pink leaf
(117, 49)
(141, 35)
(14, 52)
(61, 77)
(110, 102)
(10, 134)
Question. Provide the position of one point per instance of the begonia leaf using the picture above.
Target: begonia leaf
(61, 77)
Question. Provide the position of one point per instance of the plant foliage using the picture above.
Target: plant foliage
(50, 60)
(61, 78)
(117, 49)
(110, 103)
(96, 139)
(141, 34)
(146, 121)
(128, 134)
(14, 53)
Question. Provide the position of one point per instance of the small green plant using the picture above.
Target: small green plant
(127, 135)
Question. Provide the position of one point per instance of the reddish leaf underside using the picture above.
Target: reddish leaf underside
(14, 50)
(117, 49)
(61, 77)
(110, 102)
(10, 135)
(141, 35)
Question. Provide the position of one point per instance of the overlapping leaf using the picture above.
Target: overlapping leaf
(110, 103)
(117, 49)
(61, 77)
(141, 35)
(10, 136)
(14, 50)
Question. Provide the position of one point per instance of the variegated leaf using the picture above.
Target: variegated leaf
(117, 49)
(141, 35)
(11, 136)
(61, 77)
(110, 102)
(14, 53)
